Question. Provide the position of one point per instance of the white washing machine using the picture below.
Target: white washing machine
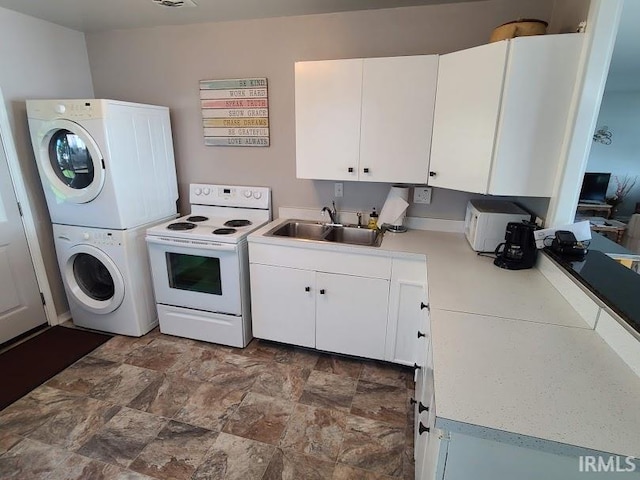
(104, 163)
(107, 278)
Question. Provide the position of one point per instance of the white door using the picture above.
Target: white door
(283, 304)
(351, 314)
(468, 102)
(20, 302)
(328, 100)
(398, 97)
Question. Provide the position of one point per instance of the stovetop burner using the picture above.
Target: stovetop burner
(237, 223)
(224, 231)
(181, 226)
(197, 218)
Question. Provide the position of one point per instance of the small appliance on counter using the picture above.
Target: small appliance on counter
(518, 251)
(486, 221)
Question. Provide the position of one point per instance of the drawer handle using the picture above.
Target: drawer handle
(350, 169)
(422, 408)
(366, 170)
(432, 174)
(422, 429)
(307, 289)
(425, 305)
(322, 291)
(420, 334)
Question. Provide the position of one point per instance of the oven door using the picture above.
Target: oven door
(199, 275)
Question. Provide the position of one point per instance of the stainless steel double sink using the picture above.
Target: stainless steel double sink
(322, 232)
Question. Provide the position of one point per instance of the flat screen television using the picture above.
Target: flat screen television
(594, 187)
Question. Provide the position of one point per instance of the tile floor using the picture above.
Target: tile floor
(171, 408)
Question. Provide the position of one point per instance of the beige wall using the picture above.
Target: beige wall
(40, 60)
(163, 65)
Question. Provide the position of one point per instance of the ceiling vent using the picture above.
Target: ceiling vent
(175, 3)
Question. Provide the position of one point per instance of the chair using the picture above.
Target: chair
(631, 238)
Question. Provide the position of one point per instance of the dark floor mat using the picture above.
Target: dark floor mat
(36, 360)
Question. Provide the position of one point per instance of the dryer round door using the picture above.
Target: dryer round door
(71, 162)
(93, 279)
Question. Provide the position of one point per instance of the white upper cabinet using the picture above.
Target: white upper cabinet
(398, 97)
(328, 106)
(501, 113)
(365, 119)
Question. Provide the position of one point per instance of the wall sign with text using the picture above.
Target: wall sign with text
(235, 112)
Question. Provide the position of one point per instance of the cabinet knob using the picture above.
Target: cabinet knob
(416, 366)
(432, 174)
(350, 169)
(423, 306)
(307, 289)
(420, 334)
(322, 291)
(413, 401)
(366, 170)
(422, 408)
(422, 428)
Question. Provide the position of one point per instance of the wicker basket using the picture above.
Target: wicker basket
(519, 28)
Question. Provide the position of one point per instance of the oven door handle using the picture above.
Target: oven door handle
(217, 247)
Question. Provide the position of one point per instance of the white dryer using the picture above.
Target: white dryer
(104, 163)
(107, 278)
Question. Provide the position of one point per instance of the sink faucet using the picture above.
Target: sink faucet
(333, 213)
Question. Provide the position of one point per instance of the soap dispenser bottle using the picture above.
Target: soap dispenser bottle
(373, 220)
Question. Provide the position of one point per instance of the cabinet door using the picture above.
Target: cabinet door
(328, 99)
(283, 304)
(408, 313)
(466, 116)
(398, 96)
(351, 314)
(538, 89)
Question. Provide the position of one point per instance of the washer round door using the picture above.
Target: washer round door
(93, 279)
(71, 162)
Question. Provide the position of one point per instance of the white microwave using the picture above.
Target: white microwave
(486, 221)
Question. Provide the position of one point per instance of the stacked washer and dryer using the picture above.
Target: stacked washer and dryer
(108, 173)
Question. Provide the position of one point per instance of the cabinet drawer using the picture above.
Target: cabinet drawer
(359, 265)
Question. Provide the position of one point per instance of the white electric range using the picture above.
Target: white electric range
(200, 264)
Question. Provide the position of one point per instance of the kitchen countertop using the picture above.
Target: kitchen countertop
(513, 361)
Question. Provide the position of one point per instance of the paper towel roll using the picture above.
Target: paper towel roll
(395, 206)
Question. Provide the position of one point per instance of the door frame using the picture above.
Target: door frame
(28, 220)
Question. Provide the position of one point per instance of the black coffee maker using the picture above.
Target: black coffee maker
(519, 249)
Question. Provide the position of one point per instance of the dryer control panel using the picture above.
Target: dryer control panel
(67, 109)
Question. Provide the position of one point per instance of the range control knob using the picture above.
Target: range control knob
(247, 193)
(206, 191)
(198, 191)
(60, 108)
(257, 195)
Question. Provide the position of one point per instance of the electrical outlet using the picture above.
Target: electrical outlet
(421, 194)
(338, 190)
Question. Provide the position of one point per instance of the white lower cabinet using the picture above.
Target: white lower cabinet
(283, 304)
(408, 329)
(351, 314)
(370, 306)
(335, 312)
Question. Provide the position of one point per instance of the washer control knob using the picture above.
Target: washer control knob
(198, 191)
(257, 195)
(206, 191)
(60, 108)
(247, 193)
(86, 236)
